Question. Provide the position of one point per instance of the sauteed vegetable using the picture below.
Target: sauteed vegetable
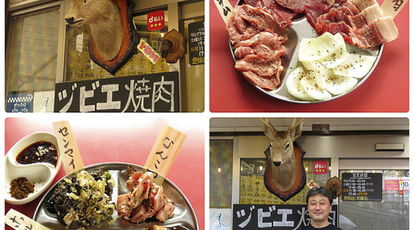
(83, 200)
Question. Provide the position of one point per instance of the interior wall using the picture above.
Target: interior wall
(341, 146)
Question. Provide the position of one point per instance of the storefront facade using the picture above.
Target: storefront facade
(354, 150)
(43, 52)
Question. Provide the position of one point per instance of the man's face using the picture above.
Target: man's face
(319, 208)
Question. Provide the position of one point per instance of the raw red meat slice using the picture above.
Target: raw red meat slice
(346, 18)
(297, 6)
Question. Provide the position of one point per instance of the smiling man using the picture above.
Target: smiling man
(319, 202)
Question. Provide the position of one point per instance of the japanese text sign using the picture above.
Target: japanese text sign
(196, 42)
(283, 217)
(18, 221)
(71, 158)
(141, 93)
(164, 152)
(155, 20)
(147, 50)
(362, 187)
(320, 167)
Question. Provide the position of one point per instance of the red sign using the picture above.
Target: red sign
(320, 167)
(155, 20)
(397, 184)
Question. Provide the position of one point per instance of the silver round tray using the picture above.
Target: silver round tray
(184, 215)
(299, 29)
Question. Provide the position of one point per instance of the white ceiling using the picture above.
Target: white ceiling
(335, 124)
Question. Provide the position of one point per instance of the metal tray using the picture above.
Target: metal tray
(184, 215)
(300, 28)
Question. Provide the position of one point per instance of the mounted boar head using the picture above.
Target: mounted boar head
(113, 38)
(284, 173)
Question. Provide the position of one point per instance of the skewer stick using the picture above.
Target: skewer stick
(392, 7)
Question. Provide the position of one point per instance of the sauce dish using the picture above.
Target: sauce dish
(40, 174)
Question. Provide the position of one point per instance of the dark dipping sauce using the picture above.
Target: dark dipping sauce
(39, 152)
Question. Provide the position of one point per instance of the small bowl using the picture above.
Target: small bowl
(39, 174)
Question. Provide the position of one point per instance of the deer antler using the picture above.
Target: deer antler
(267, 123)
(293, 126)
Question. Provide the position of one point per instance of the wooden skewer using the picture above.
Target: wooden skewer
(392, 7)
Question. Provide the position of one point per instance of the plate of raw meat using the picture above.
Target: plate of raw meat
(266, 38)
(123, 177)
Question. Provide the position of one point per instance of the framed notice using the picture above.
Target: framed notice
(283, 217)
(142, 93)
(196, 42)
(362, 187)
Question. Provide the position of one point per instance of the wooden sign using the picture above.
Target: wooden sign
(362, 187)
(283, 217)
(141, 93)
(164, 152)
(71, 158)
(19, 221)
(196, 42)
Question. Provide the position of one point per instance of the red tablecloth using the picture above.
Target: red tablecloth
(386, 90)
(124, 139)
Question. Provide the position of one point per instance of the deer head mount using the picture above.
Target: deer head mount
(113, 39)
(284, 175)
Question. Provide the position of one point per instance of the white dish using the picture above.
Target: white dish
(39, 174)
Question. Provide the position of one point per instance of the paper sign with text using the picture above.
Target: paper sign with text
(147, 50)
(72, 160)
(164, 152)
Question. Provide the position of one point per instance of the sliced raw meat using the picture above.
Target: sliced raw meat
(282, 16)
(360, 22)
(166, 212)
(257, 49)
(266, 83)
(257, 17)
(145, 200)
(297, 6)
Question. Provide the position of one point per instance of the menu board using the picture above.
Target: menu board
(142, 93)
(283, 217)
(196, 42)
(362, 187)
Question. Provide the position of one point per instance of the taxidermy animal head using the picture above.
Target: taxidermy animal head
(104, 19)
(284, 169)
